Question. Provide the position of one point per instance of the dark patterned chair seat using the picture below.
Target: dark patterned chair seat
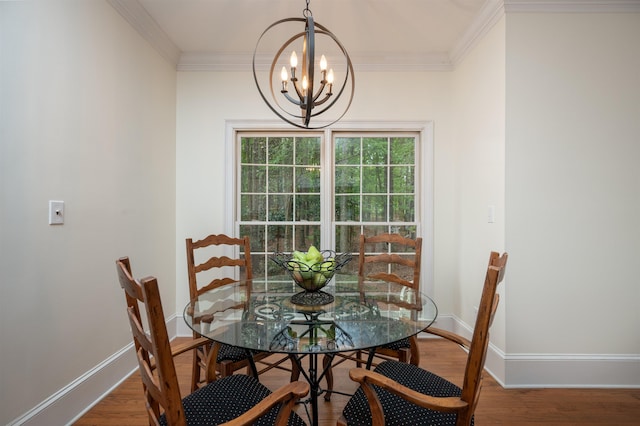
(227, 398)
(231, 353)
(397, 410)
(400, 344)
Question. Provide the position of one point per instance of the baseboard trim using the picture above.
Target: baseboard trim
(74, 400)
(553, 370)
(572, 371)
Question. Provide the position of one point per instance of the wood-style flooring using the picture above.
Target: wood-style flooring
(497, 406)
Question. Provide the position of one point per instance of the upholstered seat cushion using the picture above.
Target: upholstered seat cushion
(231, 353)
(400, 344)
(396, 410)
(227, 398)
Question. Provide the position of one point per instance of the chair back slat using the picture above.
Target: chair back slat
(195, 268)
(379, 263)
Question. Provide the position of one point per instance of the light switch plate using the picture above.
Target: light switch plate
(56, 212)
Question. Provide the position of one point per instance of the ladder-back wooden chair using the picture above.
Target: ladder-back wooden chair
(238, 399)
(397, 393)
(133, 294)
(389, 257)
(205, 265)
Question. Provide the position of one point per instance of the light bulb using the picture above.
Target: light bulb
(305, 83)
(294, 59)
(330, 76)
(323, 63)
(284, 75)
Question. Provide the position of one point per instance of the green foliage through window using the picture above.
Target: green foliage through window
(280, 204)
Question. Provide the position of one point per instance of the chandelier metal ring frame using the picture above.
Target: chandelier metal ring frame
(311, 28)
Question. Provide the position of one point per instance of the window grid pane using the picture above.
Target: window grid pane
(374, 186)
(373, 191)
(279, 187)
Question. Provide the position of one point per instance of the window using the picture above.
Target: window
(295, 189)
(375, 187)
(280, 196)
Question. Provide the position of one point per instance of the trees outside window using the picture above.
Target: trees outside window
(324, 189)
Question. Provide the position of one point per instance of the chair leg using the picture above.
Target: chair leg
(359, 356)
(195, 370)
(326, 361)
(415, 351)
(295, 370)
(404, 355)
(226, 369)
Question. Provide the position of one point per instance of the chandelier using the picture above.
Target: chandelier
(293, 89)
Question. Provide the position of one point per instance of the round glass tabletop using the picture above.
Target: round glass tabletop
(275, 316)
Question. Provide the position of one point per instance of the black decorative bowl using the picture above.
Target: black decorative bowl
(312, 277)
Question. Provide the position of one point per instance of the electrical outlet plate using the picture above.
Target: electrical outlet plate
(56, 212)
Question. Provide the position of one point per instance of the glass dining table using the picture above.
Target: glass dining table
(259, 315)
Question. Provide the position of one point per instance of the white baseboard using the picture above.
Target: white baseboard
(553, 370)
(572, 371)
(71, 402)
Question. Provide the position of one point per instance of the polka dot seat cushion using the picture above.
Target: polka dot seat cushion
(227, 398)
(231, 353)
(398, 411)
(400, 344)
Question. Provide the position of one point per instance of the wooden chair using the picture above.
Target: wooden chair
(399, 393)
(133, 294)
(202, 258)
(238, 399)
(379, 258)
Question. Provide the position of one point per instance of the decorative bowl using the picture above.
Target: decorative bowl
(312, 277)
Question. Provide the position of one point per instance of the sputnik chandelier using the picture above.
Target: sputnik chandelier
(292, 90)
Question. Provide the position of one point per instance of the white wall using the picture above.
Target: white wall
(88, 117)
(207, 99)
(573, 197)
(479, 115)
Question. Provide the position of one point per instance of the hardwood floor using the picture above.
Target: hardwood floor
(497, 406)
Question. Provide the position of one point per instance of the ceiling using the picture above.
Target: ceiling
(222, 34)
(378, 34)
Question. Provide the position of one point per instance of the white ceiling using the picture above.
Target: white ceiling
(361, 25)
(418, 34)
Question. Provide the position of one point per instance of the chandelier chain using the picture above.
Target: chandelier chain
(307, 12)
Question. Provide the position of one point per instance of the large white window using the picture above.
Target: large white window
(294, 189)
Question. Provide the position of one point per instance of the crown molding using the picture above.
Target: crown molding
(134, 13)
(138, 17)
(383, 61)
(489, 14)
(572, 6)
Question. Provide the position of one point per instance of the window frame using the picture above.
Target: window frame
(424, 175)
